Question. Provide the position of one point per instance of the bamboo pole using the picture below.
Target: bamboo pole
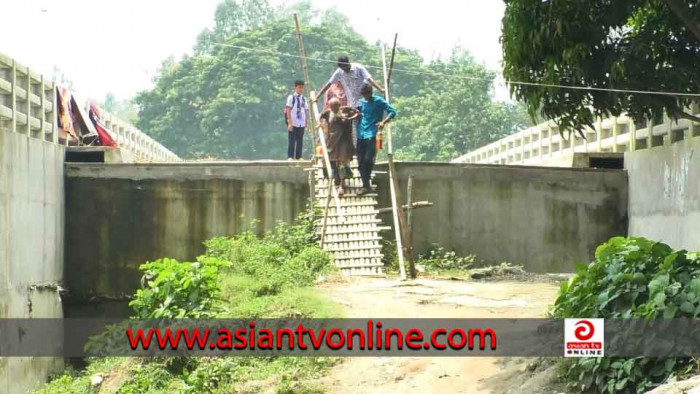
(312, 120)
(307, 81)
(414, 205)
(409, 207)
(399, 225)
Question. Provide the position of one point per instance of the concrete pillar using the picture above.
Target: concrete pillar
(615, 131)
(13, 97)
(694, 129)
(28, 87)
(632, 134)
(42, 109)
(599, 134)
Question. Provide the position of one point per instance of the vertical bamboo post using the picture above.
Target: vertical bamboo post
(402, 242)
(307, 82)
(409, 213)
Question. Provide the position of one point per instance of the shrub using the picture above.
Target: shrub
(390, 258)
(171, 289)
(631, 278)
(438, 259)
(285, 257)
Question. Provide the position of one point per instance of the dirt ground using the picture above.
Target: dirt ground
(424, 298)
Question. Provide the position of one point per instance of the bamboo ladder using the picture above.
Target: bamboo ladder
(349, 230)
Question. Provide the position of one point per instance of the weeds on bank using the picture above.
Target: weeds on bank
(631, 278)
(239, 277)
(436, 260)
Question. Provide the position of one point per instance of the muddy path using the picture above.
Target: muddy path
(385, 298)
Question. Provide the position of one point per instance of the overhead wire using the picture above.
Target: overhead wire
(465, 77)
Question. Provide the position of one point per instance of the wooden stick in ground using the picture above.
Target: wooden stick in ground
(307, 81)
(414, 205)
(393, 187)
(409, 224)
(409, 207)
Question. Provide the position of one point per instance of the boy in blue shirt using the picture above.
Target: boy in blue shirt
(371, 108)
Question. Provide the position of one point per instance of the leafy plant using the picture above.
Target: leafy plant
(390, 258)
(171, 289)
(631, 278)
(438, 259)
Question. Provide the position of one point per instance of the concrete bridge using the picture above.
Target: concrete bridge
(28, 105)
(604, 145)
(85, 227)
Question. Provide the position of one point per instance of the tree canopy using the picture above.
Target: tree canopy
(643, 45)
(227, 102)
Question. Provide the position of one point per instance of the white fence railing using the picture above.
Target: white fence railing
(141, 145)
(541, 144)
(27, 101)
(28, 105)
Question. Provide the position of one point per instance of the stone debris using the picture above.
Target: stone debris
(689, 386)
(96, 380)
(497, 271)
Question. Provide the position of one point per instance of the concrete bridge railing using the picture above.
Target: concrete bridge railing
(141, 145)
(543, 145)
(27, 101)
(28, 105)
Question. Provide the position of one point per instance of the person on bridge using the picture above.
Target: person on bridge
(295, 114)
(371, 108)
(337, 124)
(352, 76)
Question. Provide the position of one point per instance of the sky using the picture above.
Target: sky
(117, 45)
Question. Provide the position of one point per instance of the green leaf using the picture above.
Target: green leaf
(670, 364)
(621, 384)
(670, 311)
(658, 284)
(687, 307)
(669, 260)
(695, 285)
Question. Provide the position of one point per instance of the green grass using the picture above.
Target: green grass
(242, 302)
(270, 277)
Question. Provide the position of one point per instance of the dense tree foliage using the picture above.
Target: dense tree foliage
(648, 45)
(451, 116)
(227, 102)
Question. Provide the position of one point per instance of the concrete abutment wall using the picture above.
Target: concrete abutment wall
(122, 215)
(545, 219)
(31, 246)
(664, 201)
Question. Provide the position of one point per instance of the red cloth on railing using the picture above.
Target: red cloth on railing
(96, 119)
(65, 115)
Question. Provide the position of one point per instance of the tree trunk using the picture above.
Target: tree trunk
(683, 12)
